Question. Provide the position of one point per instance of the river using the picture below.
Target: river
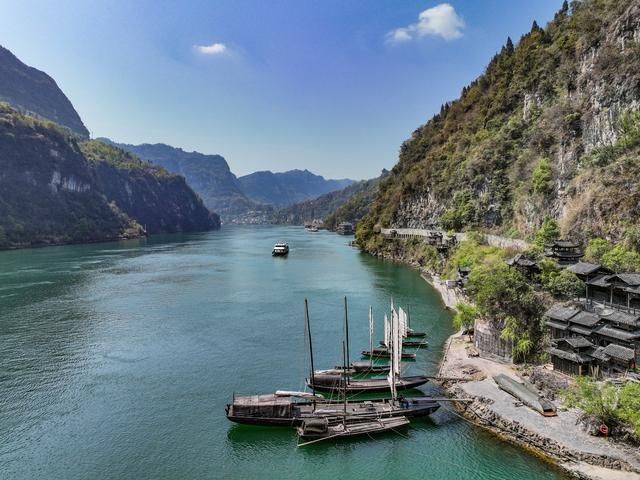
(117, 360)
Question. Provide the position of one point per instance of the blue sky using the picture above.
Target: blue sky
(334, 86)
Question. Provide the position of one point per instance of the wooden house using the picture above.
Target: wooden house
(524, 264)
(571, 355)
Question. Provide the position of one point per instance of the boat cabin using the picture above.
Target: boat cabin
(280, 249)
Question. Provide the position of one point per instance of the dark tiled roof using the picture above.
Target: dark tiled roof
(586, 319)
(574, 357)
(618, 334)
(564, 244)
(598, 353)
(584, 268)
(631, 279)
(561, 312)
(558, 325)
(599, 281)
(580, 330)
(521, 260)
(620, 317)
(619, 352)
(576, 342)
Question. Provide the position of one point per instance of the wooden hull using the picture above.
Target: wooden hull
(335, 383)
(412, 333)
(384, 353)
(355, 429)
(412, 343)
(410, 407)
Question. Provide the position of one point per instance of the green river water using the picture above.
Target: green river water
(117, 360)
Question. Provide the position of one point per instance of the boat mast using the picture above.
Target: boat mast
(371, 334)
(346, 328)
(344, 384)
(306, 317)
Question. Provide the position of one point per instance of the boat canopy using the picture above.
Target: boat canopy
(291, 393)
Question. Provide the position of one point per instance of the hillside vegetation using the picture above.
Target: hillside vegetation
(549, 130)
(58, 188)
(349, 204)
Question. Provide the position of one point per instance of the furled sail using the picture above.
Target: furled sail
(387, 332)
(371, 325)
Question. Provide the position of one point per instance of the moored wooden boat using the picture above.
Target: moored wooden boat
(411, 343)
(291, 409)
(330, 383)
(321, 429)
(385, 353)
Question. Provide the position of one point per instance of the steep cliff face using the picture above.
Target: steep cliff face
(208, 175)
(48, 191)
(161, 202)
(32, 91)
(550, 129)
(56, 188)
(287, 188)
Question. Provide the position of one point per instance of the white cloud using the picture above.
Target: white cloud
(213, 49)
(439, 21)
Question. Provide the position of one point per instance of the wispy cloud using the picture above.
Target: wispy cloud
(439, 21)
(213, 49)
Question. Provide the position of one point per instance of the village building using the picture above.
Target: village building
(593, 339)
(524, 264)
(621, 289)
(565, 252)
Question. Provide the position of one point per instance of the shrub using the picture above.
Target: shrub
(542, 176)
(559, 282)
(596, 248)
(621, 259)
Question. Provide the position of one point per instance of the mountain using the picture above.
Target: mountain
(34, 92)
(287, 188)
(348, 204)
(551, 129)
(208, 175)
(58, 188)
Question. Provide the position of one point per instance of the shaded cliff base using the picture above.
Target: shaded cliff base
(559, 439)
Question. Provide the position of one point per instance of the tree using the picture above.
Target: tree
(509, 46)
(596, 248)
(549, 231)
(465, 317)
(559, 282)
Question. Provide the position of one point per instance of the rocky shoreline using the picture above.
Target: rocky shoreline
(560, 439)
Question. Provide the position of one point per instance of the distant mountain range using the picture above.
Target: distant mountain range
(32, 91)
(247, 199)
(287, 188)
(349, 204)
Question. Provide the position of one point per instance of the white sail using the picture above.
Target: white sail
(391, 377)
(396, 342)
(402, 315)
(387, 333)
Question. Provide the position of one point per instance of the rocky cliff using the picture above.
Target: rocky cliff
(550, 129)
(57, 188)
(208, 175)
(32, 91)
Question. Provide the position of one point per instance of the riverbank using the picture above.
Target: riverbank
(559, 439)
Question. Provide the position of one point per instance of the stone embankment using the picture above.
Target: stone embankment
(559, 438)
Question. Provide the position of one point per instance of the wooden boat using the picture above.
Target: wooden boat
(413, 333)
(280, 250)
(527, 394)
(318, 429)
(410, 343)
(385, 353)
(292, 408)
(356, 368)
(331, 383)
